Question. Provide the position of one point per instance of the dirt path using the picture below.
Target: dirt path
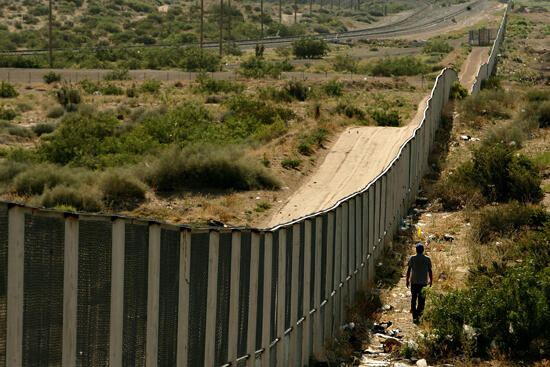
(467, 75)
(358, 156)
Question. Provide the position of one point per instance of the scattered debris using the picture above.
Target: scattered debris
(448, 237)
(422, 363)
(465, 137)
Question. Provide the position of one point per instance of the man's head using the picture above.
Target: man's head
(419, 249)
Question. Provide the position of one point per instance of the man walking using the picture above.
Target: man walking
(421, 267)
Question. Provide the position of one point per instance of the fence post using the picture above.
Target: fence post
(317, 324)
(16, 263)
(306, 324)
(183, 298)
(117, 293)
(253, 298)
(330, 285)
(153, 279)
(266, 320)
(233, 333)
(281, 298)
(70, 292)
(337, 270)
(344, 268)
(211, 299)
(293, 356)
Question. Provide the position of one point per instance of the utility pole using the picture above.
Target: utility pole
(262, 21)
(50, 34)
(221, 28)
(229, 20)
(295, 10)
(202, 26)
(281, 11)
(310, 7)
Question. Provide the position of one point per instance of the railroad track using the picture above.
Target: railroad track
(405, 25)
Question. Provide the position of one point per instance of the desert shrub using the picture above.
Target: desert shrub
(67, 196)
(193, 59)
(35, 180)
(20, 131)
(345, 63)
(437, 46)
(291, 163)
(132, 92)
(349, 109)
(397, 66)
(245, 107)
(491, 83)
(110, 89)
(501, 175)
(308, 143)
(7, 90)
(458, 92)
(80, 139)
(543, 113)
(490, 104)
(10, 168)
(118, 187)
(68, 97)
(118, 74)
(297, 90)
(55, 112)
(43, 128)
(89, 86)
(385, 117)
(505, 220)
(207, 167)
(51, 77)
(151, 86)
(537, 95)
(7, 114)
(23, 107)
(210, 85)
(309, 48)
(333, 88)
(257, 67)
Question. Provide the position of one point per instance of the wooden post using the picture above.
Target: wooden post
(266, 320)
(183, 298)
(70, 292)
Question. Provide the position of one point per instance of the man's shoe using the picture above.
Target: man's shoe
(416, 322)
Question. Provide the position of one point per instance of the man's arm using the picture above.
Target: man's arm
(431, 276)
(409, 275)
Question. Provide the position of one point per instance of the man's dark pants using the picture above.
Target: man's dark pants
(416, 291)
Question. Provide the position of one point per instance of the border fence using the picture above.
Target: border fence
(80, 289)
(487, 69)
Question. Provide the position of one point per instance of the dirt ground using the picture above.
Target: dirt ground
(358, 156)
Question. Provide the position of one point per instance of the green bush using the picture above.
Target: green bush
(23, 107)
(333, 88)
(345, 63)
(257, 67)
(51, 77)
(489, 103)
(385, 117)
(110, 89)
(68, 97)
(491, 83)
(245, 107)
(349, 109)
(66, 196)
(193, 59)
(437, 46)
(20, 131)
(458, 92)
(505, 220)
(10, 168)
(210, 85)
(119, 187)
(55, 112)
(309, 48)
(291, 163)
(207, 167)
(309, 143)
(7, 114)
(297, 90)
(151, 86)
(7, 90)
(398, 66)
(501, 175)
(35, 180)
(43, 128)
(537, 95)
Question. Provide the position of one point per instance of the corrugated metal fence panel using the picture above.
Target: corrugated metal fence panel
(168, 296)
(223, 300)
(198, 283)
(244, 292)
(43, 290)
(3, 281)
(136, 263)
(94, 292)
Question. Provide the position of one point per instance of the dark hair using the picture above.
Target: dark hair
(419, 249)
